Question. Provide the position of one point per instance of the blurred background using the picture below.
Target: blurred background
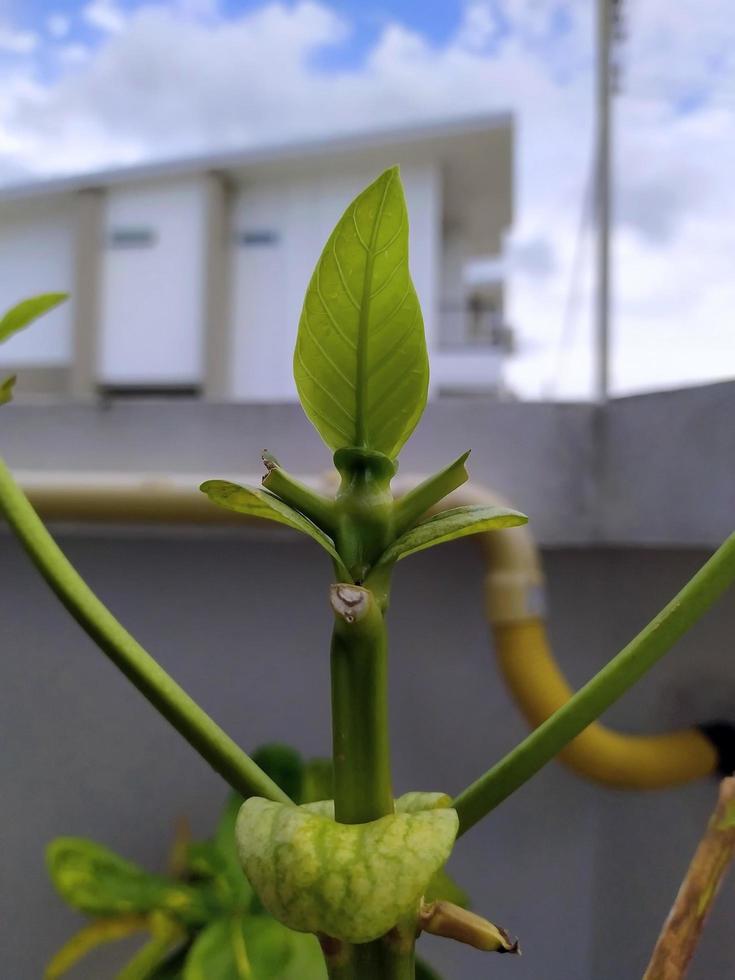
(176, 166)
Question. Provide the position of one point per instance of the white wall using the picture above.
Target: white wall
(36, 256)
(152, 301)
(269, 279)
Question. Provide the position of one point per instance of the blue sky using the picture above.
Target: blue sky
(86, 84)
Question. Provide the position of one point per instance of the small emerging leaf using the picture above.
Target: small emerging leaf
(360, 362)
(96, 881)
(450, 524)
(353, 882)
(90, 937)
(259, 503)
(25, 312)
(6, 389)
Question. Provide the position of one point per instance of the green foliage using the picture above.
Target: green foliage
(96, 881)
(450, 524)
(230, 936)
(18, 317)
(353, 882)
(360, 363)
(28, 310)
(260, 503)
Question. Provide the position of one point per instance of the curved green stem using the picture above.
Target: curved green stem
(623, 671)
(200, 731)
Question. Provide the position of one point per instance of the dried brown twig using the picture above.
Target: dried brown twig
(681, 931)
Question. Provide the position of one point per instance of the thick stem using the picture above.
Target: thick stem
(200, 731)
(361, 755)
(645, 650)
(373, 961)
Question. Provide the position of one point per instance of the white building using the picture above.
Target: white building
(189, 276)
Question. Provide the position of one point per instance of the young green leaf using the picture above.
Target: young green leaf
(450, 524)
(6, 389)
(360, 362)
(259, 503)
(27, 311)
(96, 881)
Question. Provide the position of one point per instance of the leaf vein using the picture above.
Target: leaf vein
(388, 279)
(321, 386)
(340, 273)
(322, 350)
(332, 319)
(320, 415)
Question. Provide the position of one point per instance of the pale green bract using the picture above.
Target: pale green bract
(353, 882)
(360, 362)
(455, 523)
(260, 503)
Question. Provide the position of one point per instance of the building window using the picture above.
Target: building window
(132, 238)
(257, 237)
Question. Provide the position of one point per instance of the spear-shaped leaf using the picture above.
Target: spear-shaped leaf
(360, 363)
(455, 523)
(27, 311)
(259, 503)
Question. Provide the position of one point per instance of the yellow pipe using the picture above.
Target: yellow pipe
(514, 605)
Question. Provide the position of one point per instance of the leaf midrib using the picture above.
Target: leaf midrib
(363, 324)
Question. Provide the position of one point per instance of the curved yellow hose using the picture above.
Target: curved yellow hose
(599, 753)
(514, 602)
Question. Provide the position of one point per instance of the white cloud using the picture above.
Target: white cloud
(17, 42)
(181, 78)
(74, 54)
(105, 15)
(58, 25)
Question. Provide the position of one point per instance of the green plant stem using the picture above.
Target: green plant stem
(200, 731)
(623, 671)
(361, 751)
(374, 961)
(361, 754)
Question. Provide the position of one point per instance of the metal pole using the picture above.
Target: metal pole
(603, 198)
